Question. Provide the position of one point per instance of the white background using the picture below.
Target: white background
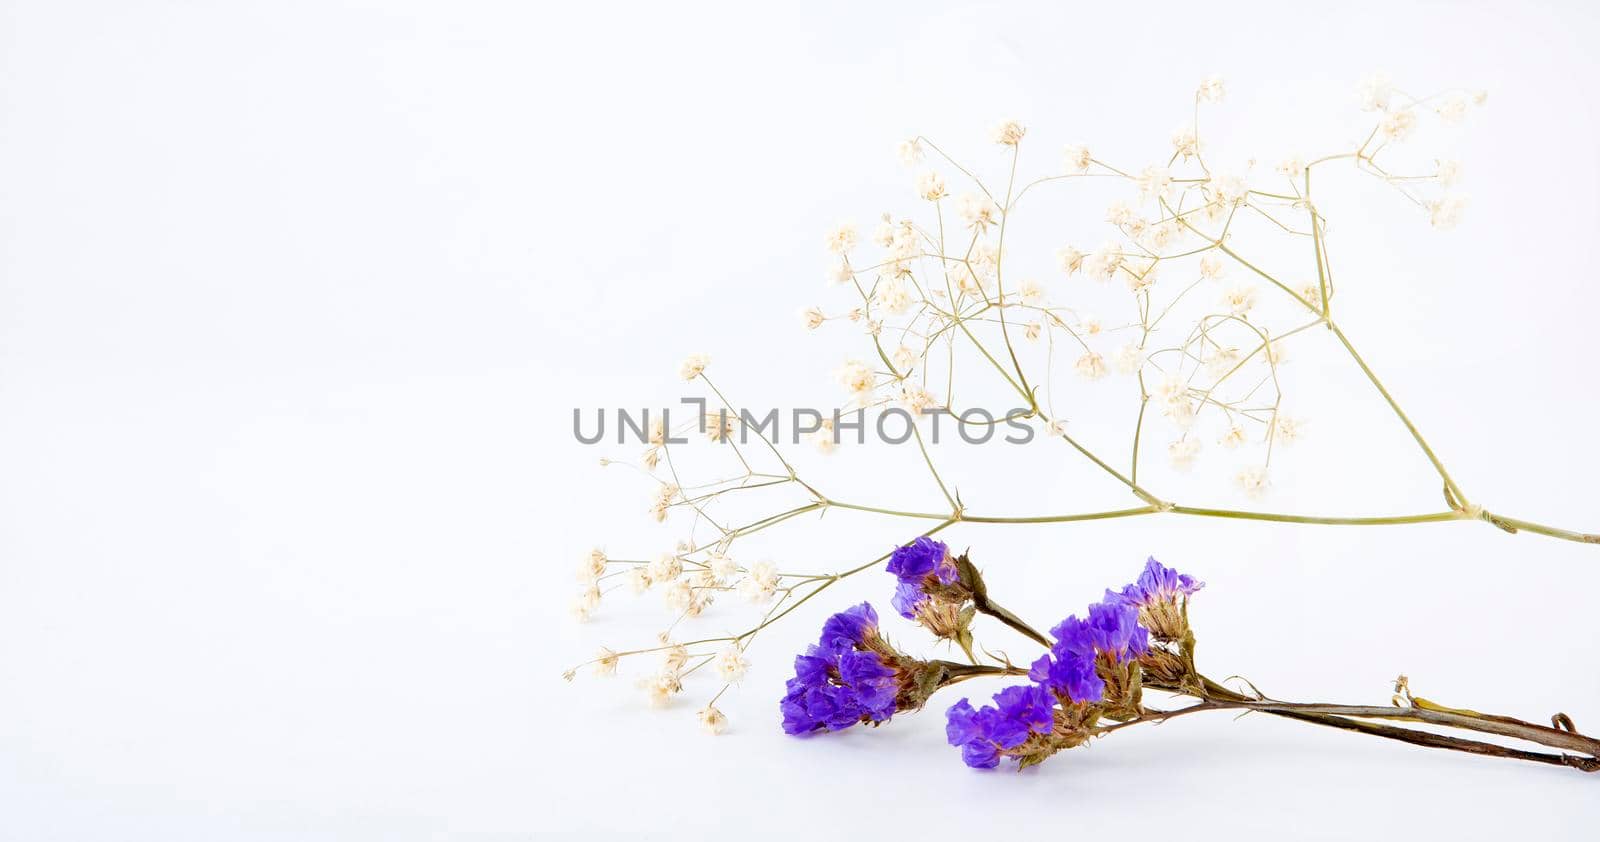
(296, 300)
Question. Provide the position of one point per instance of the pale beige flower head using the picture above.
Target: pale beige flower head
(1077, 159)
(1252, 481)
(910, 151)
(1009, 133)
(1091, 365)
(856, 377)
(712, 720)
(842, 238)
(1182, 452)
(731, 664)
(1446, 212)
(1185, 142)
(693, 365)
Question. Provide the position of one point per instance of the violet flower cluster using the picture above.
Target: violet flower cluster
(1089, 654)
(843, 679)
(918, 565)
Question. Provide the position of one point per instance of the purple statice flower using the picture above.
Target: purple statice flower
(1112, 629)
(1156, 595)
(839, 681)
(1071, 675)
(1156, 583)
(983, 733)
(849, 628)
(918, 565)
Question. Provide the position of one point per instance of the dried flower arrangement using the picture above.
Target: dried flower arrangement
(1202, 349)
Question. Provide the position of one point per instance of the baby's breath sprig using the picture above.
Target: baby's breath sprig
(1211, 317)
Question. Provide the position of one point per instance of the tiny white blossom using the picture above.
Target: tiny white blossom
(855, 376)
(930, 186)
(1311, 293)
(1031, 291)
(1397, 125)
(1090, 325)
(1252, 481)
(713, 720)
(760, 583)
(1446, 212)
(978, 211)
(1185, 142)
(1374, 92)
(1211, 90)
(1292, 167)
(1286, 430)
(841, 272)
(1070, 258)
(661, 687)
(1210, 267)
(1128, 359)
(1170, 389)
(1103, 264)
(823, 438)
(665, 568)
(883, 235)
(1230, 190)
(910, 151)
(666, 493)
(812, 317)
(1449, 173)
(1140, 280)
(1182, 452)
(842, 238)
(1009, 133)
(592, 567)
(917, 401)
(679, 595)
(1222, 361)
(1154, 183)
(1274, 352)
(723, 567)
(605, 662)
(894, 296)
(1122, 215)
(639, 579)
(1078, 159)
(693, 365)
(1233, 438)
(1091, 365)
(1239, 298)
(1452, 109)
(731, 664)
